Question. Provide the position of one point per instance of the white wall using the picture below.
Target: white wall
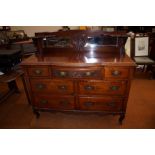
(30, 30)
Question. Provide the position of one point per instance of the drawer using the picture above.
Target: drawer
(38, 71)
(77, 73)
(116, 72)
(100, 103)
(102, 87)
(54, 102)
(52, 86)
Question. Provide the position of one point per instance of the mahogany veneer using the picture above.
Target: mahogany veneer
(71, 77)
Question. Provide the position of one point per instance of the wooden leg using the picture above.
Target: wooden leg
(121, 118)
(25, 88)
(36, 113)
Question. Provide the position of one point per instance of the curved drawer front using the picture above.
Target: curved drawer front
(100, 88)
(54, 102)
(77, 73)
(39, 71)
(52, 86)
(116, 72)
(100, 103)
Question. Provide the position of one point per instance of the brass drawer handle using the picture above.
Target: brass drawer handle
(40, 86)
(88, 104)
(63, 74)
(43, 101)
(114, 88)
(89, 87)
(116, 73)
(62, 87)
(88, 73)
(38, 71)
(111, 104)
(64, 103)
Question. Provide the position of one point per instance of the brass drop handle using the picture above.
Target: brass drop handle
(62, 87)
(40, 86)
(111, 104)
(64, 103)
(62, 73)
(88, 87)
(38, 71)
(114, 88)
(43, 101)
(116, 73)
(88, 104)
(88, 73)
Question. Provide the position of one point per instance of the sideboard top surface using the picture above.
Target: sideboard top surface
(79, 59)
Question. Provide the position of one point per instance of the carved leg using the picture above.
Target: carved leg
(122, 116)
(36, 113)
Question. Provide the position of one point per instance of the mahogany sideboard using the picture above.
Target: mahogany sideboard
(79, 71)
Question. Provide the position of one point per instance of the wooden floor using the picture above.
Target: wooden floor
(16, 113)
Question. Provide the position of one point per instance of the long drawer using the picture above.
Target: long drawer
(102, 87)
(54, 102)
(76, 73)
(52, 86)
(106, 103)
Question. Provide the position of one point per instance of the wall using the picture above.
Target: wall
(30, 30)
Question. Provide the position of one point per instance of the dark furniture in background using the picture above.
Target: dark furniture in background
(16, 40)
(27, 47)
(11, 54)
(9, 59)
(79, 71)
(10, 79)
(135, 29)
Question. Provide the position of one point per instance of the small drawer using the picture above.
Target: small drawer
(77, 73)
(116, 72)
(100, 103)
(38, 71)
(54, 102)
(102, 87)
(52, 86)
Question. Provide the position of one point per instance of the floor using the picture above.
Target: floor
(16, 113)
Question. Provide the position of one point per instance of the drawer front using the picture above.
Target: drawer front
(100, 103)
(116, 72)
(105, 87)
(54, 102)
(77, 73)
(52, 86)
(38, 71)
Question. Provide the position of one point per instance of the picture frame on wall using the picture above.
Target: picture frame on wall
(141, 46)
